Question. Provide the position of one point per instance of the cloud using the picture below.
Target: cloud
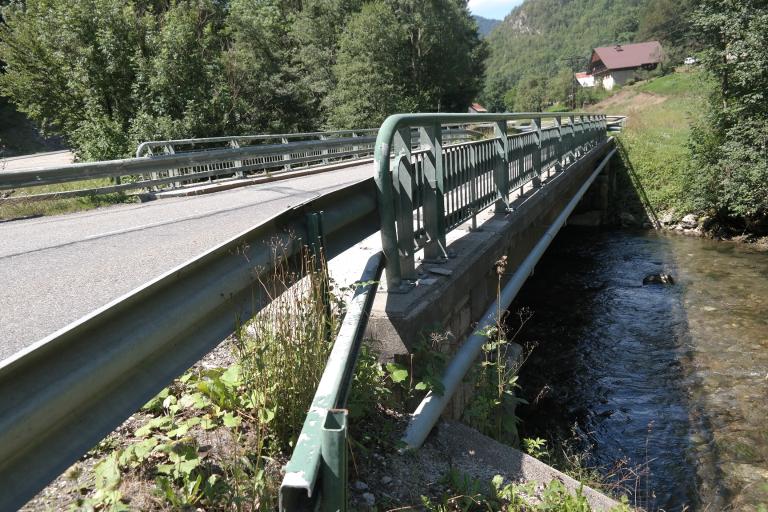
(496, 9)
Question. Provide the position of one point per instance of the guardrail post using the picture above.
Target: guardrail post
(334, 459)
(286, 156)
(434, 205)
(571, 138)
(237, 163)
(403, 184)
(324, 152)
(560, 153)
(316, 245)
(536, 181)
(501, 172)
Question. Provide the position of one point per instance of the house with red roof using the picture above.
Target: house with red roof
(615, 65)
(585, 79)
(477, 108)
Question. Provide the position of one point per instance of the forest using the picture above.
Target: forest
(107, 74)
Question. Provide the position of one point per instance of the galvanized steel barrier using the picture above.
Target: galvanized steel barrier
(423, 195)
(172, 163)
(174, 167)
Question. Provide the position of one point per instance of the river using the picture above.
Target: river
(671, 379)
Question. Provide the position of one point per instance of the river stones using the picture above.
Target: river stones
(658, 279)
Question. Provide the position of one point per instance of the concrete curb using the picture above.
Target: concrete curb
(482, 458)
(196, 190)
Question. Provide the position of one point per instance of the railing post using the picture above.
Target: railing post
(237, 163)
(334, 460)
(172, 173)
(434, 206)
(402, 181)
(355, 148)
(286, 156)
(324, 152)
(501, 172)
(536, 181)
(579, 136)
(473, 185)
(559, 164)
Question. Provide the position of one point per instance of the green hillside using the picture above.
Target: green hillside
(485, 25)
(543, 38)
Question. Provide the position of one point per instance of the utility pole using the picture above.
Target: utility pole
(573, 63)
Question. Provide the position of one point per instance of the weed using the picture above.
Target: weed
(471, 495)
(492, 410)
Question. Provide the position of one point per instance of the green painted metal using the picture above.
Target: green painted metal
(501, 174)
(334, 461)
(404, 178)
(434, 192)
(520, 155)
(318, 454)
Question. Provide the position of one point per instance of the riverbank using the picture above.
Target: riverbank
(655, 150)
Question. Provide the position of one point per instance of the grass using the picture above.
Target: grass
(661, 112)
(13, 206)
(470, 495)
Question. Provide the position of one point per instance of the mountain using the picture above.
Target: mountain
(485, 25)
(540, 38)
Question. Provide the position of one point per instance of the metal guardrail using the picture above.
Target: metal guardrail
(320, 452)
(176, 162)
(147, 172)
(62, 395)
(425, 195)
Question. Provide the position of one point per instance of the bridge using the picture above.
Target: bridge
(102, 309)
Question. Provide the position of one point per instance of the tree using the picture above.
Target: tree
(370, 71)
(729, 171)
(405, 55)
(531, 94)
(71, 67)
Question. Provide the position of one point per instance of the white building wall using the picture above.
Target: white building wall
(615, 78)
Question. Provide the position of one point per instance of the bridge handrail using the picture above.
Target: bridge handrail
(187, 160)
(409, 186)
(146, 148)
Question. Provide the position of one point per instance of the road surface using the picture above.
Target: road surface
(54, 270)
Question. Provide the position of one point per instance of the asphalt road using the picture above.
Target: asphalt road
(54, 270)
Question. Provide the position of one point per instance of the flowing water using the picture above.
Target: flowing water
(672, 379)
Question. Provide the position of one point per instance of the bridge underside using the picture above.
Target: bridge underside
(450, 297)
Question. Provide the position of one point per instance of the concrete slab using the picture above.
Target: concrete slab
(482, 458)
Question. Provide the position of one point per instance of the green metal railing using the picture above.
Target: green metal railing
(423, 194)
(321, 449)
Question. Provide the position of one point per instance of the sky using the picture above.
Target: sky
(494, 9)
